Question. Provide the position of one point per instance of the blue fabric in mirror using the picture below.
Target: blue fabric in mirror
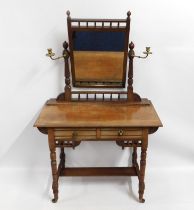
(98, 41)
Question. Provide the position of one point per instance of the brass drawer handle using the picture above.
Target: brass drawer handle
(74, 134)
(120, 133)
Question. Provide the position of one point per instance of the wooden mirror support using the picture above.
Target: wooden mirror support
(69, 57)
(98, 51)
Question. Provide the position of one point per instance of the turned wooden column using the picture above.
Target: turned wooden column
(52, 148)
(134, 156)
(131, 96)
(62, 159)
(130, 72)
(143, 165)
(67, 89)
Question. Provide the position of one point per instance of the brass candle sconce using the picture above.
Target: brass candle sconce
(147, 52)
(51, 54)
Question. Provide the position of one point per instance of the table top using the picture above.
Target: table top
(99, 114)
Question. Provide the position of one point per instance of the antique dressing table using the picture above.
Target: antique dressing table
(96, 57)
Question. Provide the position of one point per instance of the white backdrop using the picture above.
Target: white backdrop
(28, 78)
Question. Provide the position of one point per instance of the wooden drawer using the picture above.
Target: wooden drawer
(97, 134)
(126, 133)
(75, 134)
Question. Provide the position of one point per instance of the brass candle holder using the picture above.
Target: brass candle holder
(51, 54)
(147, 52)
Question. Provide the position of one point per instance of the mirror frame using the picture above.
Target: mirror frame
(112, 25)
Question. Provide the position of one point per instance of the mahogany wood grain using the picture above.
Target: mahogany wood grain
(81, 134)
(88, 114)
(126, 123)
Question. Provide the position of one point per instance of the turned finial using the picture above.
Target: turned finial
(128, 14)
(68, 13)
(131, 45)
(65, 45)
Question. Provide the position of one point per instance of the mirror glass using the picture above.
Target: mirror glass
(98, 58)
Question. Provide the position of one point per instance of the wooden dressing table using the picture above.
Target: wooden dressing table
(119, 116)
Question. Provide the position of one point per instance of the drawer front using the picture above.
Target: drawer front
(75, 134)
(132, 133)
(97, 134)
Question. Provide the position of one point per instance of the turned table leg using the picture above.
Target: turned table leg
(53, 164)
(143, 165)
(134, 156)
(62, 159)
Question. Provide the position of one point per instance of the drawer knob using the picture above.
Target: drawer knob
(74, 134)
(120, 133)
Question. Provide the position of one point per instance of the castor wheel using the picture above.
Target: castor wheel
(54, 200)
(142, 200)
